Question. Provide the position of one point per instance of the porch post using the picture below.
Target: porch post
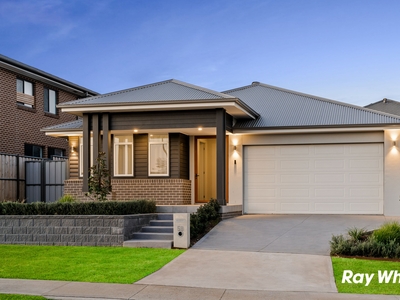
(96, 134)
(221, 152)
(106, 138)
(86, 152)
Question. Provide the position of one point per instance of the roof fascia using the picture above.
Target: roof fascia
(231, 103)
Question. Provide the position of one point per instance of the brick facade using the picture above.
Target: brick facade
(21, 124)
(163, 191)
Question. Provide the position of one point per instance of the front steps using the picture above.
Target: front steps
(159, 234)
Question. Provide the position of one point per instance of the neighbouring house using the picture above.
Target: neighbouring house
(29, 99)
(269, 149)
(386, 105)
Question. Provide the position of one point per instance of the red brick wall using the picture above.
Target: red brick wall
(20, 125)
(163, 191)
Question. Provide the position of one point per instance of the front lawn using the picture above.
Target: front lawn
(87, 264)
(20, 297)
(354, 270)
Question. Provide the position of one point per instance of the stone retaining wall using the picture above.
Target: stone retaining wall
(71, 230)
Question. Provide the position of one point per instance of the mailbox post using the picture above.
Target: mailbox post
(182, 230)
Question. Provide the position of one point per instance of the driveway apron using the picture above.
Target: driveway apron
(263, 252)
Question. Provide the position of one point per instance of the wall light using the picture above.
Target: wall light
(135, 130)
(200, 128)
(73, 149)
(234, 148)
(394, 143)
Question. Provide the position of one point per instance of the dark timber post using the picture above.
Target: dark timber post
(96, 137)
(106, 138)
(221, 159)
(86, 152)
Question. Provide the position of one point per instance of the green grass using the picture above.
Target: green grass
(369, 267)
(87, 264)
(20, 297)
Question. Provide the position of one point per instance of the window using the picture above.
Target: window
(24, 87)
(50, 101)
(33, 150)
(81, 155)
(158, 155)
(55, 152)
(25, 93)
(123, 155)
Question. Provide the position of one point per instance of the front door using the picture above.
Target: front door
(206, 170)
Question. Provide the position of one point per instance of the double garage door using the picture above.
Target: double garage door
(320, 179)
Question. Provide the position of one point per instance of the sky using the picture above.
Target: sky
(345, 50)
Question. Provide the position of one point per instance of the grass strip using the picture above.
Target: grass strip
(20, 297)
(365, 266)
(86, 264)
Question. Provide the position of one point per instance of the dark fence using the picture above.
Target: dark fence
(13, 178)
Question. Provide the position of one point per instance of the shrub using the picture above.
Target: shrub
(99, 180)
(388, 232)
(204, 216)
(383, 242)
(67, 199)
(79, 208)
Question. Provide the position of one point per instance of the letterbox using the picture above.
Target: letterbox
(182, 230)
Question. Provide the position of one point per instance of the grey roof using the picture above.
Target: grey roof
(285, 108)
(169, 90)
(68, 126)
(386, 105)
(24, 69)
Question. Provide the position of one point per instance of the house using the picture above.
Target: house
(29, 98)
(386, 105)
(269, 149)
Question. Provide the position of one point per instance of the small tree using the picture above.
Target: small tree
(99, 180)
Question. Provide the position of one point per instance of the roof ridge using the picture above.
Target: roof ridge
(344, 104)
(382, 101)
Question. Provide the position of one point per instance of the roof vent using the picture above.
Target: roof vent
(255, 83)
(384, 100)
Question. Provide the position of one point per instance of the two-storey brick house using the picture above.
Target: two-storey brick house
(28, 103)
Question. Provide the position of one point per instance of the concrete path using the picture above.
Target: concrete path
(63, 290)
(296, 234)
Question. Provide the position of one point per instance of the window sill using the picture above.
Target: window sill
(47, 114)
(26, 108)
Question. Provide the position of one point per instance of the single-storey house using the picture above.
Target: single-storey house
(269, 149)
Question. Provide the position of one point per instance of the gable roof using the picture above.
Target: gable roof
(285, 108)
(26, 70)
(386, 105)
(165, 95)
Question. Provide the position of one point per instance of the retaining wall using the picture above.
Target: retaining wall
(71, 230)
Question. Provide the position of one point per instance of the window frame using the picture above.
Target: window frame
(126, 154)
(33, 147)
(150, 143)
(24, 87)
(46, 100)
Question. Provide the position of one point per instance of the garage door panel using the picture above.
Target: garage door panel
(345, 178)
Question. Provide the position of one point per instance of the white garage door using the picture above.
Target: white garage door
(321, 179)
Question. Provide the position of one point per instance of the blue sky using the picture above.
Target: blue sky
(346, 50)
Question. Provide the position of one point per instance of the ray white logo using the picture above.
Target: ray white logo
(392, 276)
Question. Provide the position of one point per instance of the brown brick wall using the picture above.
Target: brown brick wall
(163, 191)
(20, 125)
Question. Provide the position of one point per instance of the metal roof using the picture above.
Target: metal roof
(23, 69)
(69, 126)
(386, 105)
(169, 90)
(285, 108)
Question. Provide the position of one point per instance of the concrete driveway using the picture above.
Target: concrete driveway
(263, 252)
(296, 234)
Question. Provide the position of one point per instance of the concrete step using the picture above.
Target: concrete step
(168, 223)
(165, 217)
(148, 244)
(158, 229)
(153, 236)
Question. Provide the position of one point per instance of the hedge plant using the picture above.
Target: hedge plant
(383, 242)
(79, 208)
(205, 215)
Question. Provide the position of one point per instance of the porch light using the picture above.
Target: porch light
(394, 143)
(73, 149)
(135, 130)
(200, 128)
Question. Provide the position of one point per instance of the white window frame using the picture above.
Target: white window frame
(150, 143)
(26, 86)
(126, 154)
(81, 155)
(52, 101)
